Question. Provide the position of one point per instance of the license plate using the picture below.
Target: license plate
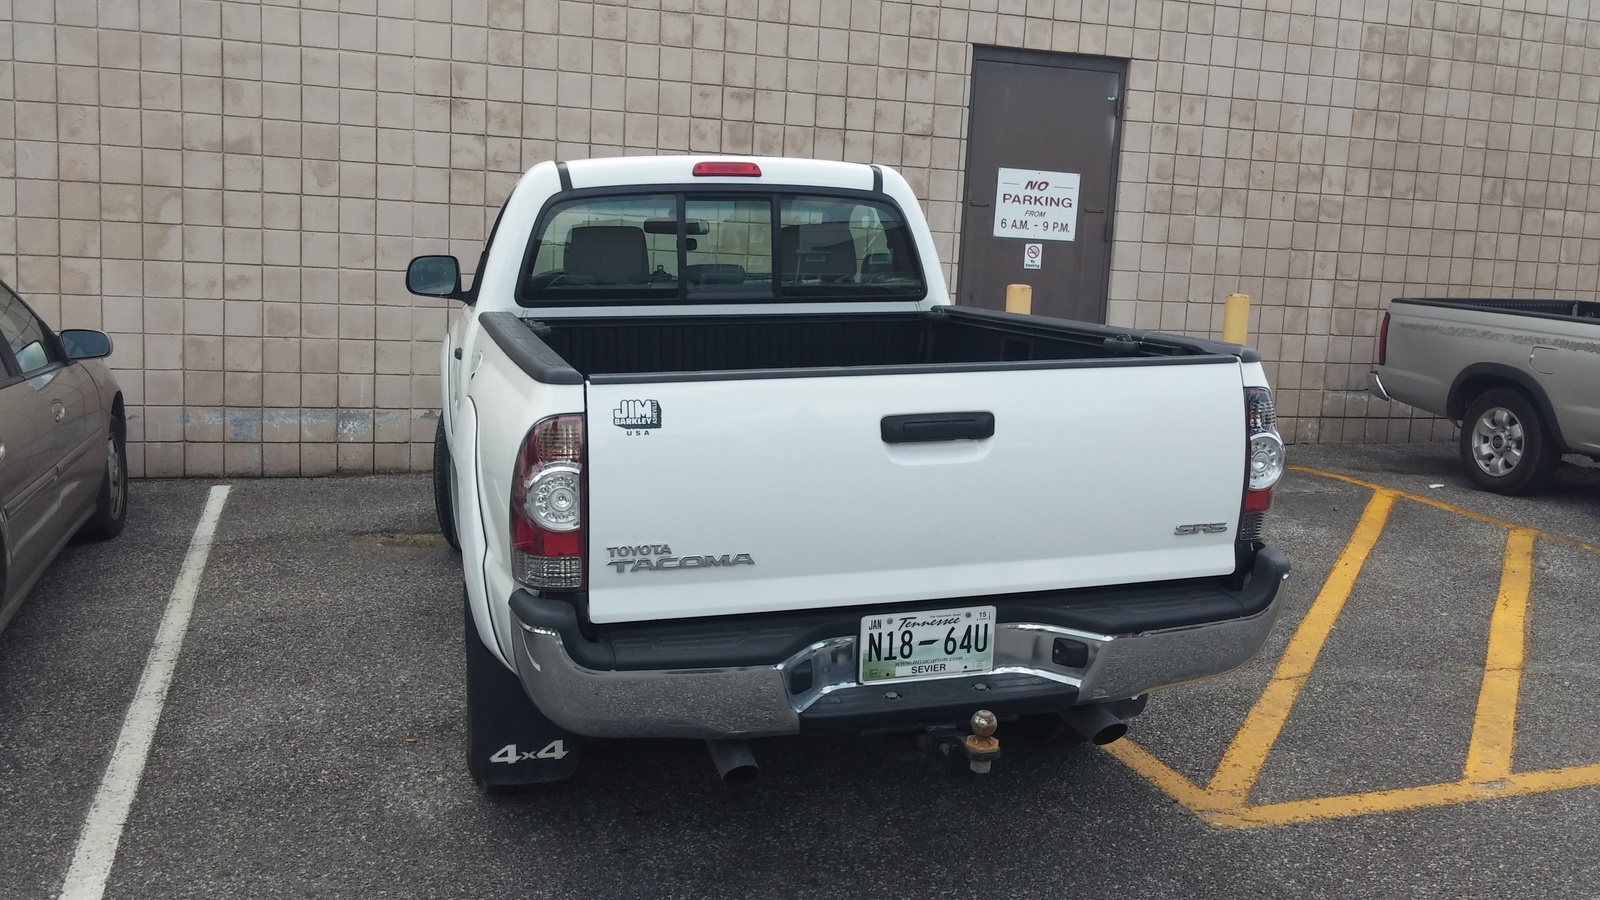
(934, 644)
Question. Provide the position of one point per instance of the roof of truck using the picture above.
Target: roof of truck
(633, 170)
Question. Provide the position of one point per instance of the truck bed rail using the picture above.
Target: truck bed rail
(1555, 309)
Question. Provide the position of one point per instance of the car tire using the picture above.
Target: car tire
(111, 507)
(444, 487)
(1505, 445)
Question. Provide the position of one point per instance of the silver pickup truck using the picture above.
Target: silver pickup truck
(1521, 378)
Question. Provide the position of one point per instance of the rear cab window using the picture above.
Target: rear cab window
(710, 246)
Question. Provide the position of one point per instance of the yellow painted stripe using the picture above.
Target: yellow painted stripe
(1247, 753)
(1424, 796)
(1488, 771)
(1440, 504)
(1552, 780)
(1159, 774)
(1495, 724)
(1294, 811)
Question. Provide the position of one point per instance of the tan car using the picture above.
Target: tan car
(63, 445)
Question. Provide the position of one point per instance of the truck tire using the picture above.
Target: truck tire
(1505, 445)
(510, 743)
(444, 487)
(111, 507)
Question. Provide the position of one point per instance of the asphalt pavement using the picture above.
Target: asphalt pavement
(311, 741)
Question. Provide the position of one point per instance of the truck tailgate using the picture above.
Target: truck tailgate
(742, 495)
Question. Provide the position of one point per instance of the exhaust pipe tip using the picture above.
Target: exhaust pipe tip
(735, 764)
(1110, 734)
(1095, 724)
(741, 775)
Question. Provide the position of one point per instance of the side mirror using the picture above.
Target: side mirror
(83, 343)
(435, 276)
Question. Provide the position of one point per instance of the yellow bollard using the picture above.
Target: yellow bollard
(1019, 298)
(1236, 319)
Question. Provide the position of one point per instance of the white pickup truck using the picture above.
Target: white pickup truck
(723, 462)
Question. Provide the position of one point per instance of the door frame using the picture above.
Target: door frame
(1019, 56)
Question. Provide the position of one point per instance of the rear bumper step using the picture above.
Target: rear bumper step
(745, 677)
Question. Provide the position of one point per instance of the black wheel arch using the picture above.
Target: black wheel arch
(1479, 377)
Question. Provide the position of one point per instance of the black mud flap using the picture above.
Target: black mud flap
(509, 741)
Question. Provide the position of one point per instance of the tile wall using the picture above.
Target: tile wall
(232, 189)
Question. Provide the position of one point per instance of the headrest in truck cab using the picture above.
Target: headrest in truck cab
(822, 251)
(608, 254)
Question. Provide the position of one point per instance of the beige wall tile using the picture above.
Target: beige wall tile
(317, 459)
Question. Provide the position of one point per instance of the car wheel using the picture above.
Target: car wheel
(1505, 445)
(111, 509)
(444, 487)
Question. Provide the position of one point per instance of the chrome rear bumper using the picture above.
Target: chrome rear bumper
(760, 700)
(1375, 387)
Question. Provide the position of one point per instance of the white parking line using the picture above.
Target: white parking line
(102, 830)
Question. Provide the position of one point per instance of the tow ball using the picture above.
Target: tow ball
(948, 742)
(981, 746)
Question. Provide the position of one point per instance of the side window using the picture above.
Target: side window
(24, 334)
(608, 248)
(839, 247)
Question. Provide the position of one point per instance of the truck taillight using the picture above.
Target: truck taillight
(1264, 460)
(1383, 339)
(547, 506)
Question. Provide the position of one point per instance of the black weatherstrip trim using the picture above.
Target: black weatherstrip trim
(566, 178)
(877, 179)
(912, 369)
(524, 348)
(1582, 311)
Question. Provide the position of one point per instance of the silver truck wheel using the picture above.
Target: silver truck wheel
(1506, 447)
(1497, 441)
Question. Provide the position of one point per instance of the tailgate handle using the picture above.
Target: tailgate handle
(957, 426)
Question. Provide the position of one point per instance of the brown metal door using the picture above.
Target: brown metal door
(1050, 123)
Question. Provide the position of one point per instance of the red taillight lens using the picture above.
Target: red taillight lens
(1383, 339)
(738, 169)
(1264, 460)
(547, 506)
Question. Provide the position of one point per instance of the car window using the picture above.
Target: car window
(729, 253)
(843, 247)
(24, 334)
(616, 247)
(721, 246)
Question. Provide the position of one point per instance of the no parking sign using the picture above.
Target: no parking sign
(1039, 206)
